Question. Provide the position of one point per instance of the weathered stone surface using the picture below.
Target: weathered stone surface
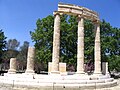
(30, 60)
(97, 81)
(49, 67)
(105, 68)
(76, 10)
(82, 13)
(56, 44)
(56, 82)
(12, 65)
(97, 50)
(62, 68)
(80, 46)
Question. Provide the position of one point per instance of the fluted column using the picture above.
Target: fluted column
(56, 44)
(97, 52)
(30, 60)
(12, 66)
(80, 46)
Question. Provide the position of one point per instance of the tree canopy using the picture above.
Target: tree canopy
(11, 49)
(110, 44)
(14, 50)
(43, 38)
(2, 43)
(12, 44)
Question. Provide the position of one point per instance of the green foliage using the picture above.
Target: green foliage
(22, 56)
(68, 40)
(8, 54)
(23, 51)
(114, 62)
(11, 49)
(43, 38)
(2, 43)
(12, 44)
(110, 44)
(89, 40)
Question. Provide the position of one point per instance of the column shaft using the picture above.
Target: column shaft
(56, 45)
(105, 68)
(80, 46)
(30, 60)
(97, 50)
(12, 65)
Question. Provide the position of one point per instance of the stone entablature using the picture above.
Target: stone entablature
(78, 10)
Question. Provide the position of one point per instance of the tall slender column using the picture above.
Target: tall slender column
(80, 46)
(12, 66)
(30, 60)
(56, 44)
(97, 50)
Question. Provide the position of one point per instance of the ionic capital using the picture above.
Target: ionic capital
(57, 13)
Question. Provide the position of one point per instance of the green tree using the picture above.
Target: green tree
(68, 43)
(43, 40)
(23, 51)
(43, 37)
(89, 40)
(11, 49)
(12, 44)
(43, 34)
(110, 43)
(22, 56)
(2, 43)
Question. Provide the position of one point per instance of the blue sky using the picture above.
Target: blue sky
(18, 17)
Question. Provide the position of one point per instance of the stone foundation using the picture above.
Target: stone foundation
(56, 82)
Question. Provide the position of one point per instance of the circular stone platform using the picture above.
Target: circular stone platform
(57, 82)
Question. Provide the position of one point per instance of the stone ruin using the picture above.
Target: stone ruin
(58, 78)
(81, 13)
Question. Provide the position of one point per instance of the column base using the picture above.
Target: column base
(63, 73)
(97, 73)
(80, 73)
(30, 72)
(108, 74)
(54, 72)
(12, 71)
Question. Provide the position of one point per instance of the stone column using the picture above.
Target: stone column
(12, 66)
(105, 68)
(56, 44)
(49, 67)
(97, 69)
(80, 46)
(30, 60)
